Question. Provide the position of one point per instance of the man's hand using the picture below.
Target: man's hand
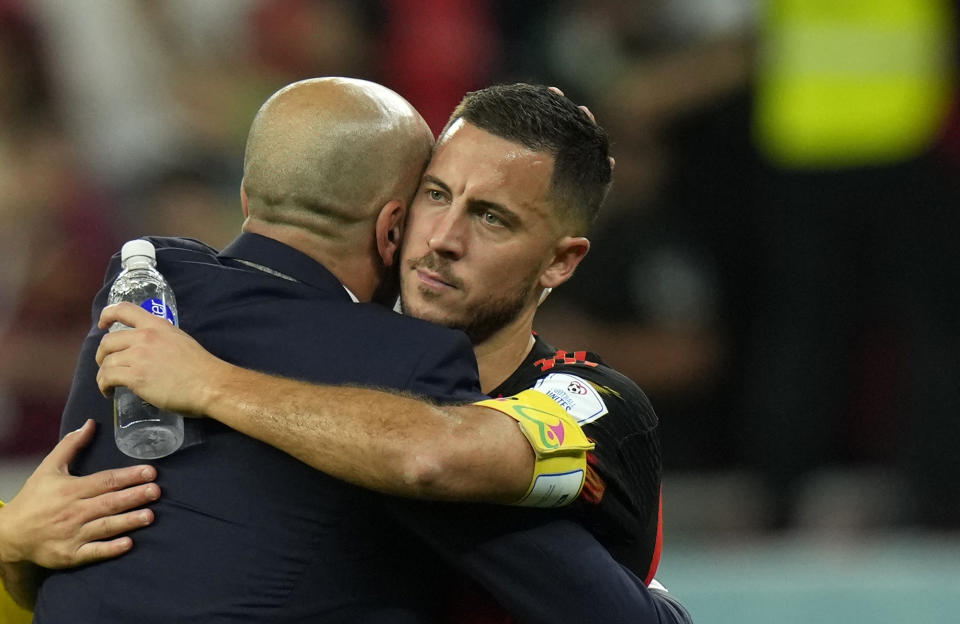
(589, 114)
(58, 520)
(160, 363)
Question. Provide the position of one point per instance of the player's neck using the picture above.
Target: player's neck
(499, 356)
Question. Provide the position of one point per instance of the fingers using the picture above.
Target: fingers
(66, 450)
(98, 551)
(107, 377)
(113, 343)
(128, 314)
(55, 514)
(585, 110)
(112, 526)
(114, 373)
(84, 543)
(117, 480)
(590, 115)
(114, 355)
(115, 503)
(105, 385)
(94, 532)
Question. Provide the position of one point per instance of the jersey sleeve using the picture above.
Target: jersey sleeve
(620, 500)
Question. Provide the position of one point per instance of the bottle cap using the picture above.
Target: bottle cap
(138, 247)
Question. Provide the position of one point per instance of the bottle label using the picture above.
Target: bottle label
(157, 307)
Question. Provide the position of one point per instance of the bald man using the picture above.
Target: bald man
(244, 532)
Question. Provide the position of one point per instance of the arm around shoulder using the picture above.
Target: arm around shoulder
(385, 441)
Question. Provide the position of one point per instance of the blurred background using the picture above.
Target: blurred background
(773, 265)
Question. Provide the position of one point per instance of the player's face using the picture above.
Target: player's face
(480, 233)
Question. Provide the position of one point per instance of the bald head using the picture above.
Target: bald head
(326, 154)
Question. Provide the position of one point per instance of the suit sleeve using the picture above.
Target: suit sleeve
(84, 382)
(558, 572)
(540, 565)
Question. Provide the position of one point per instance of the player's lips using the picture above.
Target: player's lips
(433, 279)
(433, 273)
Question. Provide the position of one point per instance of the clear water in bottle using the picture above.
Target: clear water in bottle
(142, 430)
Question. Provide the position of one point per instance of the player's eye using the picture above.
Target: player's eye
(491, 218)
(435, 195)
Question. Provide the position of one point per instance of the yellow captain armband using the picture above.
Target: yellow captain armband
(558, 442)
(10, 611)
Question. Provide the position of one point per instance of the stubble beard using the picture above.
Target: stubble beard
(482, 320)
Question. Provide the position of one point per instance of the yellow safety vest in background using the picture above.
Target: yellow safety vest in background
(846, 83)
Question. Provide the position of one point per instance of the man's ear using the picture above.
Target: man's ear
(568, 253)
(243, 201)
(389, 230)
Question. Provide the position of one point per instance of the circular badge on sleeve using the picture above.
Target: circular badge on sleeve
(576, 395)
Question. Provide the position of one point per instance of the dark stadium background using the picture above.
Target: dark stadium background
(788, 299)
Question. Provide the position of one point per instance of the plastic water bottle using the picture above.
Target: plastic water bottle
(141, 430)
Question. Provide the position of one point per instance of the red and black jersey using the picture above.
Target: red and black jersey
(619, 508)
(620, 501)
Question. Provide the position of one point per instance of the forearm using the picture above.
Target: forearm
(374, 439)
(378, 440)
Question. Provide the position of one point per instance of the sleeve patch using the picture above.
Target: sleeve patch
(554, 490)
(576, 395)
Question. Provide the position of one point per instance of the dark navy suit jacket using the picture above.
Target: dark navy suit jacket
(245, 533)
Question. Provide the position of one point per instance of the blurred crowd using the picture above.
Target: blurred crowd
(774, 264)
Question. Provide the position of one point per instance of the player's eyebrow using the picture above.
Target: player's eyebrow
(475, 203)
(427, 178)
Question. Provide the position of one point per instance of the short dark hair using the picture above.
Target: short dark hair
(544, 121)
